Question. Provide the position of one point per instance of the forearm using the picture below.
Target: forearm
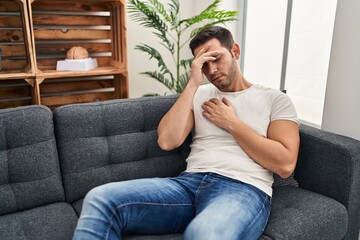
(269, 153)
(177, 123)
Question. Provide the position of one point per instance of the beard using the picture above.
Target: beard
(226, 78)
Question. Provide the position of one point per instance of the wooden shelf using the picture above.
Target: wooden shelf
(48, 29)
(99, 71)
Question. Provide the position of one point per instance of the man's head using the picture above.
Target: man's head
(215, 48)
(222, 34)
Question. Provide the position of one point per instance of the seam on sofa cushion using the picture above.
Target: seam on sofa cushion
(26, 145)
(34, 180)
(14, 197)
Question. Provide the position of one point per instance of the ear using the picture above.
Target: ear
(236, 51)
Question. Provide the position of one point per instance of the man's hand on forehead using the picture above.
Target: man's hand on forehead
(209, 55)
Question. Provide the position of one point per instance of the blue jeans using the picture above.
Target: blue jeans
(204, 205)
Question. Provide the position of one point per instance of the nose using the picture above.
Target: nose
(212, 67)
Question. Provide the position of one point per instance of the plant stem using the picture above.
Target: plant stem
(178, 32)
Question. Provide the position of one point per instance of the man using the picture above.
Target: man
(242, 133)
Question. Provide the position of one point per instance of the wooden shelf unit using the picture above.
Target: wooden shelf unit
(54, 26)
(17, 69)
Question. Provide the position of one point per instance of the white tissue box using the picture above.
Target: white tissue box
(76, 64)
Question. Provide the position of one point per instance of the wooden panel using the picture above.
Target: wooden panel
(71, 34)
(13, 65)
(75, 20)
(49, 87)
(11, 36)
(14, 103)
(9, 6)
(72, 6)
(76, 98)
(10, 21)
(14, 93)
(62, 48)
(13, 50)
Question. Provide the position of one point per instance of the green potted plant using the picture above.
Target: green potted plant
(169, 28)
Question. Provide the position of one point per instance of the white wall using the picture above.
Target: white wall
(342, 99)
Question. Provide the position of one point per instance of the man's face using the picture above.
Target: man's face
(223, 71)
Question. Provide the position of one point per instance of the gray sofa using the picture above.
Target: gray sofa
(50, 160)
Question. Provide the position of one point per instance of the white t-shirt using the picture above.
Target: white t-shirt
(215, 150)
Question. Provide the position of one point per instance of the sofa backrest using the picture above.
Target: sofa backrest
(114, 140)
(29, 167)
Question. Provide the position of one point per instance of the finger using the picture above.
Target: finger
(208, 58)
(206, 114)
(206, 107)
(203, 50)
(226, 101)
(215, 101)
(209, 103)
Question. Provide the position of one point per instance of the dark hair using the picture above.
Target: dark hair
(222, 34)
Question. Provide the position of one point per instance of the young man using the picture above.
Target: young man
(242, 133)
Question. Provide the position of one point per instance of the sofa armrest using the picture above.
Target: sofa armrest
(329, 164)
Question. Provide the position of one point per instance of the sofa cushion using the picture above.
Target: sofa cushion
(297, 213)
(113, 141)
(281, 182)
(29, 168)
(55, 221)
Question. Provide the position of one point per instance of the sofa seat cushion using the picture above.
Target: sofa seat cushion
(56, 221)
(297, 213)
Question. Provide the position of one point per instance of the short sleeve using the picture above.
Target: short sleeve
(282, 108)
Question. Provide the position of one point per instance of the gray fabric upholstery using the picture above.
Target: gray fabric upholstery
(329, 164)
(50, 222)
(295, 209)
(281, 182)
(29, 167)
(111, 141)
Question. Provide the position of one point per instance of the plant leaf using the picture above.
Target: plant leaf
(160, 77)
(186, 63)
(174, 8)
(213, 6)
(159, 7)
(221, 16)
(155, 54)
(144, 14)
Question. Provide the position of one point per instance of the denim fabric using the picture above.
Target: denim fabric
(204, 205)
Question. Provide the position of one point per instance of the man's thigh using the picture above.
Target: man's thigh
(229, 211)
(154, 205)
